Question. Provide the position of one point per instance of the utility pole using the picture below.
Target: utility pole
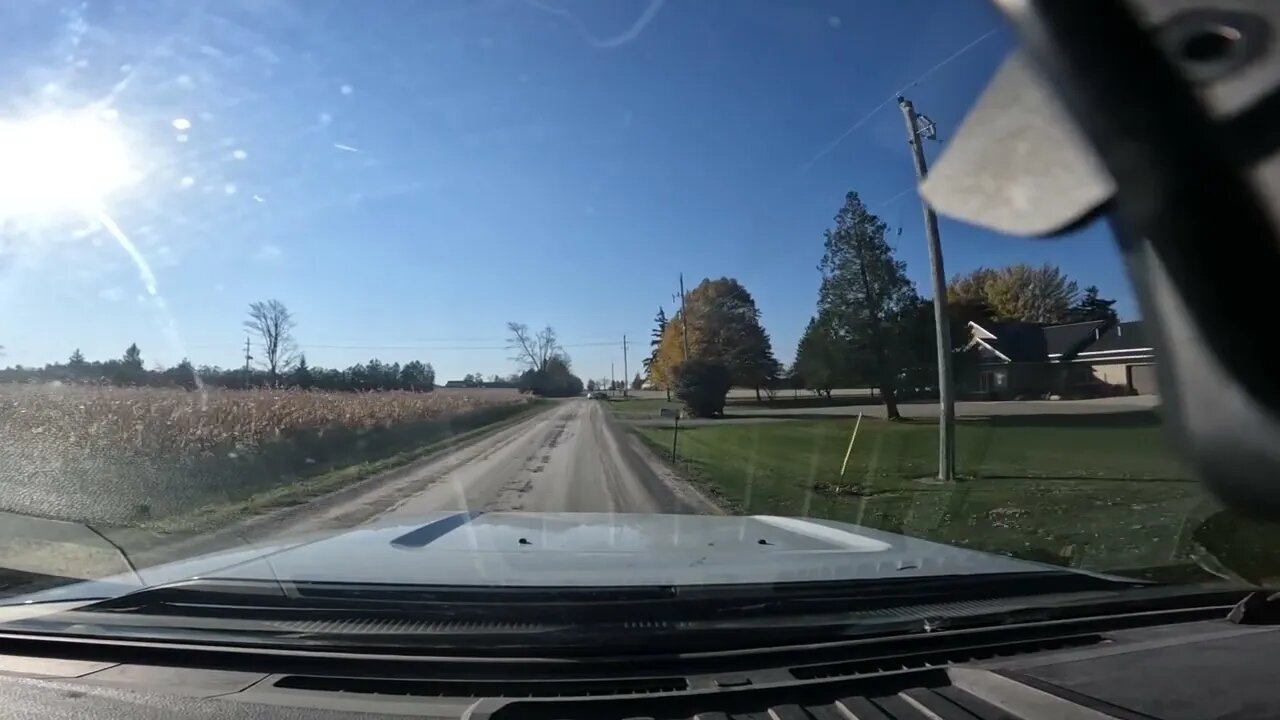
(920, 126)
(626, 376)
(247, 357)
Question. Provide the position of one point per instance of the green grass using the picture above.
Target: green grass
(1097, 491)
(639, 407)
(785, 400)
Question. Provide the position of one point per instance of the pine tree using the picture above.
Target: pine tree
(1092, 307)
(132, 357)
(864, 289)
(655, 348)
(301, 375)
(660, 326)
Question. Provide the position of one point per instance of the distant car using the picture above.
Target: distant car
(599, 396)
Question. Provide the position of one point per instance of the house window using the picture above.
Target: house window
(992, 380)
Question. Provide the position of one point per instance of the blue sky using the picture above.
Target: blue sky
(409, 176)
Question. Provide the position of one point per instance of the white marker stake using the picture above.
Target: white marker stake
(848, 452)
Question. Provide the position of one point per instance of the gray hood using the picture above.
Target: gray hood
(576, 549)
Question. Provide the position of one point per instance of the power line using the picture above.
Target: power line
(973, 43)
(890, 201)
(327, 346)
(893, 97)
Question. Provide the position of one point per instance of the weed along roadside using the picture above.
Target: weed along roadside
(1093, 491)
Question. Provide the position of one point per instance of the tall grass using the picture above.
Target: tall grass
(115, 454)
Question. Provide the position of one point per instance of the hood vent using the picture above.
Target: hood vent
(975, 652)
(484, 688)
(394, 627)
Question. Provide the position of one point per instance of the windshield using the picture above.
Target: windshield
(570, 293)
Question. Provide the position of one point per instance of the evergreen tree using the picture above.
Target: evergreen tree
(864, 290)
(1092, 307)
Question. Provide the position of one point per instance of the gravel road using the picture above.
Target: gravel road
(575, 459)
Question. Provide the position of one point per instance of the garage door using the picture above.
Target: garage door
(1142, 379)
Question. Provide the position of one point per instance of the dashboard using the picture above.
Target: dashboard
(1175, 664)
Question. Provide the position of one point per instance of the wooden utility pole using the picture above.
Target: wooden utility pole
(917, 126)
(626, 376)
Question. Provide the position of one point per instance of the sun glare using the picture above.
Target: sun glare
(60, 162)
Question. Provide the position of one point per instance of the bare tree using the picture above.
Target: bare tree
(272, 322)
(536, 350)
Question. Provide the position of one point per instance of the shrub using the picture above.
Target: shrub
(702, 387)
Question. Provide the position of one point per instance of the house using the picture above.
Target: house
(457, 384)
(1084, 359)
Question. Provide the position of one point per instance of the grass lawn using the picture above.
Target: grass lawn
(639, 407)
(1094, 491)
(649, 407)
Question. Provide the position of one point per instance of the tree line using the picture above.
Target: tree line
(129, 370)
(280, 364)
(871, 327)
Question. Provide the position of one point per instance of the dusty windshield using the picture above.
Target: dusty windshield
(441, 269)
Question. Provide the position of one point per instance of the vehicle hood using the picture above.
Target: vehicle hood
(575, 549)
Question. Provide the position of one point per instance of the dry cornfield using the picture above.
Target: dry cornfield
(165, 420)
(90, 452)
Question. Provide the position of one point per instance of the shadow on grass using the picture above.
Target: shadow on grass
(802, 402)
(734, 414)
(1077, 478)
(1122, 419)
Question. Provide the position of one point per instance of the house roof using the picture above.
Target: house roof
(1019, 342)
(1126, 336)
(1071, 338)
(1094, 340)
